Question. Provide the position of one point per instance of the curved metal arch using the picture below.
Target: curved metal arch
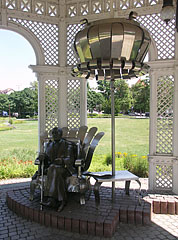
(30, 37)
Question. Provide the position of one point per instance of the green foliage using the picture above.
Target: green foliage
(94, 100)
(141, 96)
(10, 121)
(138, 165)
(108, 159)
(4, 103)
(17, 163)
(122, 96)
(23, 102)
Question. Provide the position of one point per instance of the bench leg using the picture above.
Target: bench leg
(139, 195)
(127, 186)
(96, 192)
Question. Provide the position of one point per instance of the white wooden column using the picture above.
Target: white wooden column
(83, 102)
(41, 107)
(62, 63)
(152, 128)
(153, 112)
(62, 100)
(175, 127)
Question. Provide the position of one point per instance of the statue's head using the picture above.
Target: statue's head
(56, 133)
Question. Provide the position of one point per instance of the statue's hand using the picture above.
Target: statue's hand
(40, 158)
(59, 161)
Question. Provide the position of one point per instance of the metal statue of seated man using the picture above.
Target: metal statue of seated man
(59, 157)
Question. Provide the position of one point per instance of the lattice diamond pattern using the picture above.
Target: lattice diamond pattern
(96, 7)
(25, 5)
(51, 104)
(164, 175)
(72, 10)
(107, 7)
(153, 2)
(124, 4)
(164, 35)
(84, 9)
(72, 30)
(139, 3)
(39, 7)
(47, 35)
(11, 4)
(73, 103)
(52, 10)
(165, 88)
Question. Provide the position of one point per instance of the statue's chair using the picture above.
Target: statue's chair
(85, 142)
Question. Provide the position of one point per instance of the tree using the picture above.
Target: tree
(141, 95)
(24, 102)
(95, 100)
(4, 103)
(122, 95)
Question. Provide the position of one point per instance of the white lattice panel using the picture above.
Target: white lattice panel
(73, 103)
(164, 175)
(46, 8)
(51, 104)
(165, 88)
(72, 30)
(164, 35)
(47, 35)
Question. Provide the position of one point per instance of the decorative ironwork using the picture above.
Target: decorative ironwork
(51, 104)
(47, 35)
(73, 103)
(165, 89)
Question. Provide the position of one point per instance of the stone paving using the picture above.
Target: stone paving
(13, 227)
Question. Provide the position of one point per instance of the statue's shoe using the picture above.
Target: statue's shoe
(51, 202)
(62, 205)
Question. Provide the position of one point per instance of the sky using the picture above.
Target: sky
(16, 54)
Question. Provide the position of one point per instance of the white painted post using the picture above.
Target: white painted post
(62, 101)
(175, 122)
(153, 112)
(63, 76)
(152, 128)
(41, 108)
(83, 102)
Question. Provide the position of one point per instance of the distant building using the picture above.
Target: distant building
(7, 91)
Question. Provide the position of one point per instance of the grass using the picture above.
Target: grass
(19, 146)
(22, 136)
(132, 135)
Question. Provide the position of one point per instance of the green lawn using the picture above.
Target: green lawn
(18, 147)
(24, 135)
(131, 136)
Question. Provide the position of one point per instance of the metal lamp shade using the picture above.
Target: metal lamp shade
(111, 48)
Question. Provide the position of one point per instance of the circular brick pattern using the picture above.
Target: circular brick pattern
(86, 219)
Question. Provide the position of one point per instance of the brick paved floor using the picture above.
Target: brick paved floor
(13, 227)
